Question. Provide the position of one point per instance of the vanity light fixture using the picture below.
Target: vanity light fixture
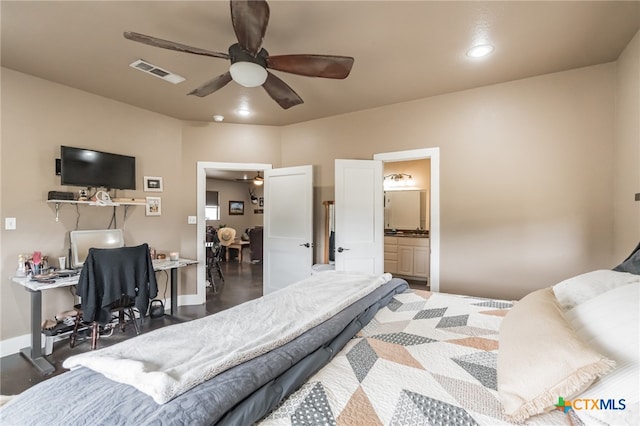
(398, 181)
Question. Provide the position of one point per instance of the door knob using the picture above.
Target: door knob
(340, 249)
(307, 245)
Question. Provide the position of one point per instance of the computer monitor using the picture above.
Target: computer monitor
(82, 241)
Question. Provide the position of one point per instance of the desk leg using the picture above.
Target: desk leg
(174, 291)
(34, 353)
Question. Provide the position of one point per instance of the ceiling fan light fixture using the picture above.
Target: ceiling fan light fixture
(258, 180)
(248, 74)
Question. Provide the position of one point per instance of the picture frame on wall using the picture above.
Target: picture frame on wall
(153, 206)
(152, 184)
(236, 207)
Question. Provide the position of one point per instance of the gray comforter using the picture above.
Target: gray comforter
(239, 396)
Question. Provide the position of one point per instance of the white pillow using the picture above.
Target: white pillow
(541, 358)
(576, 290)
(610, 324)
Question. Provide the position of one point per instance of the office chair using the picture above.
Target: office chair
(116, 279)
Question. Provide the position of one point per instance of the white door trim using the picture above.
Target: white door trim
(201, 187)
(434, 231)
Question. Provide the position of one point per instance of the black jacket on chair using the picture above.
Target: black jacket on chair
(107, 274)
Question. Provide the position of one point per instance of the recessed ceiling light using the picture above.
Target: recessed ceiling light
(218, 118)
(244, 112)
(480, 51)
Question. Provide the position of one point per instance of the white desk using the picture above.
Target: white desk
(34, 352)
(173, 265)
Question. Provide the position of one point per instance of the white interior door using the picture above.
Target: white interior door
(288, 226)
(359, 213)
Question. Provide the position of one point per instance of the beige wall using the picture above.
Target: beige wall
(527, 171)
(526, 174)
(218, 142)
(626, 175)
(39, 116)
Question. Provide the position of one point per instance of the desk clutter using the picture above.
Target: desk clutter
(174, 255)
(37, 266)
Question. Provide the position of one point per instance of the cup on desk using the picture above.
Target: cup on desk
(173, 255)
(62, 262)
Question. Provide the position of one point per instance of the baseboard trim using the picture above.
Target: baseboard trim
(13, 345)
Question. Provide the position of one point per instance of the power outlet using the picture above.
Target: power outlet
(10, 223)
(192, 220)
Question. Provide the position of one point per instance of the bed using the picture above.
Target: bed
(389, 355)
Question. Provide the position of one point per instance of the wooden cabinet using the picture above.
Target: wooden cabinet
(421, 261)
(407, 256)
(391, 255)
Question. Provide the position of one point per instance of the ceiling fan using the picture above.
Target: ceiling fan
(249, 60)
(257, 180)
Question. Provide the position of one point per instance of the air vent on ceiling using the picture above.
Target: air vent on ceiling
(156, 71)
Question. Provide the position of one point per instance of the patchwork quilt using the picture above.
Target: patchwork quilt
(425, 359)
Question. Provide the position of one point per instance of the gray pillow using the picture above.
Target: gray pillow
(631, 263)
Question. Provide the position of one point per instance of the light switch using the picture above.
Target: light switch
(192, 220)
(9, 223)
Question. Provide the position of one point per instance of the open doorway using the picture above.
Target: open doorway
(406, 219)
(433, 155)
(236, 201)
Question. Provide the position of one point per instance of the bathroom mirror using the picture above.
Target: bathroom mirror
(405, 209)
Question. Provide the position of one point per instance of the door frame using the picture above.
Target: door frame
(432, 154)
(201, 187)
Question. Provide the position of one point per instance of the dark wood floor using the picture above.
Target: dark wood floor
(243, 282)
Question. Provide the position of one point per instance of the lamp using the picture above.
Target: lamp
(248, 74)
(398, 181)
(258, 180)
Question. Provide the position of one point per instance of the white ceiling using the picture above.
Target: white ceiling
(403, 50)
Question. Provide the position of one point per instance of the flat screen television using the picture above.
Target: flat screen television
(96, 169)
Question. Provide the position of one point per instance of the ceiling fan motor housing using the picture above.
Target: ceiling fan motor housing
(237, 54)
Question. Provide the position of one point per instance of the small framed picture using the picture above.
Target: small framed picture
(236, 207)
(152, 184)
(154, 206)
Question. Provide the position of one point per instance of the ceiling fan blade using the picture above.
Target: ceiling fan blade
(280, 92)
(250, 19)
(326, 66)
(212, 85)
(171, 45)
